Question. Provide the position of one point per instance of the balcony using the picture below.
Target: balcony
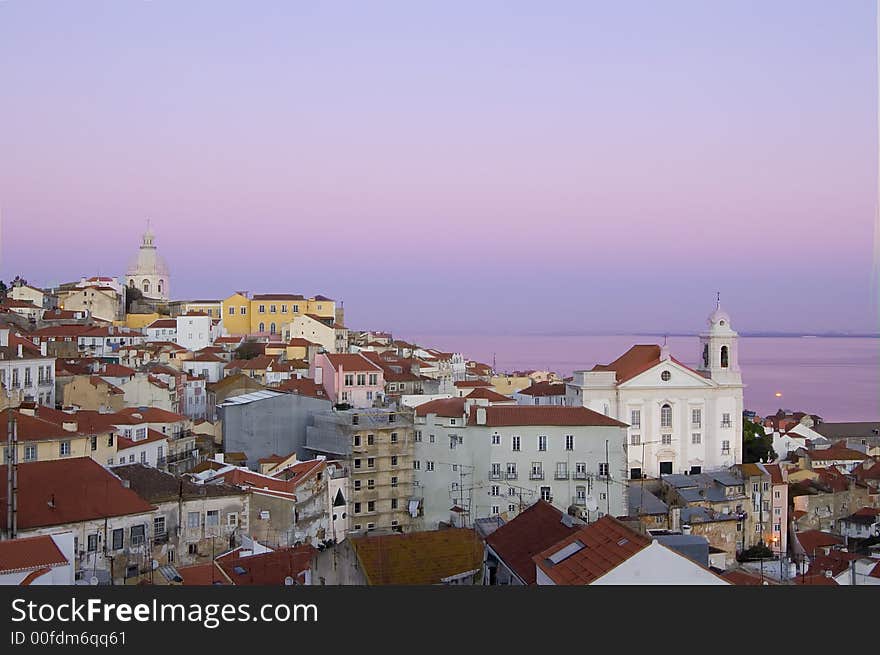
(561, 475)
(580, 475)
(511, 475)
(495, 475)
(580, 501)
(536, 475)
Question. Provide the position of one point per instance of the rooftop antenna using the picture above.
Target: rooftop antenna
(717, 300)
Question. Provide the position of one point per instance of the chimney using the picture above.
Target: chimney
(685, 528)
(19, 351)
(69, 426)
(481, 416)
(664, 352)
(4, 337)
(319, 375)
(219, 458)
(43, 348)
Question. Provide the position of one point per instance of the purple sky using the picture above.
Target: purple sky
(454, 166)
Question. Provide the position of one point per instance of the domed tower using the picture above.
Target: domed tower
(148, 271)
(719, 355)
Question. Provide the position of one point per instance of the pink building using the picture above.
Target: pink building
(351, 379)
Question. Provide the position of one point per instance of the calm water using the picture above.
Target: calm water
(839, 379)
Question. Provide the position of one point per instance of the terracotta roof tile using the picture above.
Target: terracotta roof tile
(500, 415)
(28, 553)
(80, 488)
(606, 543)
(532, 531)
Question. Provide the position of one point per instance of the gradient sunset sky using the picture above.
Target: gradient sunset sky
(454, 166)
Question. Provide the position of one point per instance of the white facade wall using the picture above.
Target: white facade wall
(211, 371)
(30, 376)
(194, 332)
(463, 475)
(685, 392)
(160, 334)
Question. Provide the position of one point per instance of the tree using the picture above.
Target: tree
(132, 295)
(755, 553)
(249, 349)
(3, 289)
(757, 446)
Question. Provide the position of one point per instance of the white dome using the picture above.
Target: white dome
(719, 321)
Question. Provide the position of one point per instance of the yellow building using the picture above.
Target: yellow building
(93, 393)
(263, 312)
(46, 434)
(213, 308)
(139, 321)
(507, 385)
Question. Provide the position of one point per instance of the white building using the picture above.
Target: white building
(476, 460)
(681, 420)
(196, 330)
(162, 329)
(25, 371)
(148, 271)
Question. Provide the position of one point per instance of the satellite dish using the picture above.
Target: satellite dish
(591, 504)
(93, 581)
(288, 581)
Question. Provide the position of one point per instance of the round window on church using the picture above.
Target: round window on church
(665, 375)
(721, 322)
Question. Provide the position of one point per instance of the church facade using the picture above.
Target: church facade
(148, 271)
(681, 419)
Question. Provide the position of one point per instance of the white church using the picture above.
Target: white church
(148, 271)
(681, 419)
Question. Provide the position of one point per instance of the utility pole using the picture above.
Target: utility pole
(11, 475)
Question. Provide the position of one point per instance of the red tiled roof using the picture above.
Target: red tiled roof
(636, 360)
(164, 323)
(775, 473)
(355, 362)
(470, 384)
(303, 387)
(834, 452)
(81, 489)
(813, 540)
(544, 389)
(111, 388)
(500, 415)
(482, 393)
(200, 575)
(446, 407)
(270, 568)
(277, 296)
(29, 553)
(741, 578)
(532, 531)
(147, 415)
(607, 544)
(815, 580)
(203, 356)
(124, 443)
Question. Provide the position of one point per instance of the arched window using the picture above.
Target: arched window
(160, 286)
(131, 283)
(724, 357)
(146, 286)
(272, 328)
(262, 327)
(706, 355)
(666, 416)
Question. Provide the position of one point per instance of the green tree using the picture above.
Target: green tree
(757, 446)
(249, 349)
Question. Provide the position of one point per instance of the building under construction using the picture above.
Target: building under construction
(377, 446)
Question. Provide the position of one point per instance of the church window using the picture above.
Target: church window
(160, 286)
(146, 286)
(665, 375)
(666, 416)
(262, 327)
(724, 357)
(131, 283)
(272, 328)
(706, 355)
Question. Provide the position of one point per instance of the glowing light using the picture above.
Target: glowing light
(778, 395)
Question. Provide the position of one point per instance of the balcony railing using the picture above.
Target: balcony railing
(561, 475)
(536, 475)
(511, 475)
(580, 501)
(580, 475)
(495, 475)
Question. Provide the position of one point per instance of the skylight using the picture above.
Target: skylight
(566, 552)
